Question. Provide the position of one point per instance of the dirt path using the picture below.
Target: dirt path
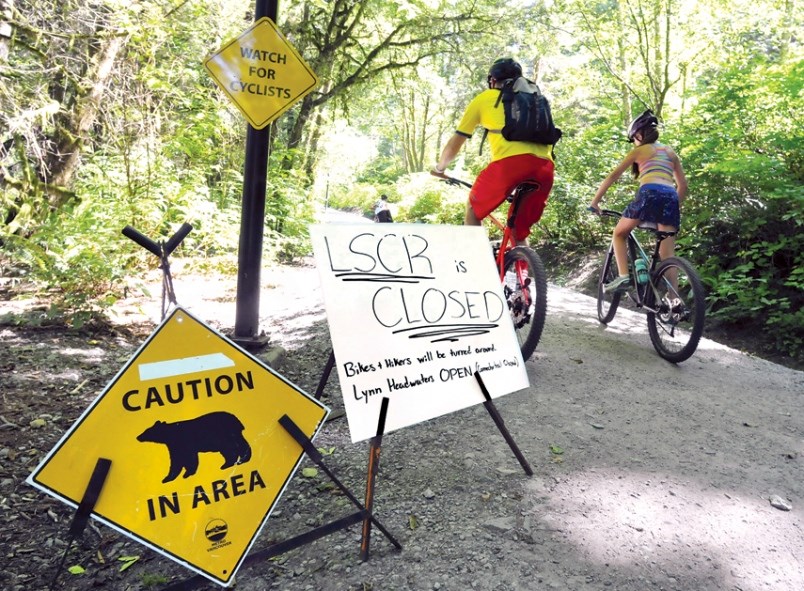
(664, 478)
(647, 476)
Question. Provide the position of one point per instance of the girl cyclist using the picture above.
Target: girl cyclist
(662, 188)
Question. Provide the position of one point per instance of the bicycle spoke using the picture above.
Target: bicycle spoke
(607, 303)
(525, 289)
(677, 300)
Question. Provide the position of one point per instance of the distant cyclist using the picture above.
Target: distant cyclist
(662, 189)
(382, 213)
(511, 162)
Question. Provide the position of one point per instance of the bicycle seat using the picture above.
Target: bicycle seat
(654, 228)
(523, 188)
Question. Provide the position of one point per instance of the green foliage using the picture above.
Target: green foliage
(78, 255)
(743, 221)
(75, 257)
(580, 167)
(423, 199)
(150, 198)
(426, 209)
(22, 206)
(383, 170)
(289, 250)
(360, 197)
(153, 580)
(166, 147)
(128, 562)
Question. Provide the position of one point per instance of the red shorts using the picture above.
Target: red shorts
(500, 177)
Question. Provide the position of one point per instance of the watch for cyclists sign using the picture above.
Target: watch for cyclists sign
(198, 456)
(262, 73)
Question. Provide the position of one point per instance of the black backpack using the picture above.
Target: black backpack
(527, 114)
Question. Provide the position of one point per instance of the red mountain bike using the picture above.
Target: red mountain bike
(521, 272)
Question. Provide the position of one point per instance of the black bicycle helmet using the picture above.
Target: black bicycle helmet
(645, 121)
(503, 69)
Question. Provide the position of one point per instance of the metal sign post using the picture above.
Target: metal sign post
(252, 220)
(249, 259)
(263, 75)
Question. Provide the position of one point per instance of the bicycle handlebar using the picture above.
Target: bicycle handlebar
(605, 212)
(450, 180)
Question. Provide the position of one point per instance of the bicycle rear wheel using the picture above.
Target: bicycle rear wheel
(678, 297)
(525, 289)
(607, 303)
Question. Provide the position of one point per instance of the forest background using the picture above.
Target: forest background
(108, 118)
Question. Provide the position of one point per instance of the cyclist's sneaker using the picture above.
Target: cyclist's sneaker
(622, 283)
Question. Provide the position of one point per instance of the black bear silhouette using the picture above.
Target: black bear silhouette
(214, 432)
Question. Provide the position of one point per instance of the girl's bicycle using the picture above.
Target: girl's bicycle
(521, 271)
(670, 292)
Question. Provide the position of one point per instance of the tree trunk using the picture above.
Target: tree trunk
(297, 130)
(625, 95)
(6, 10)
(657, 54)
(422, 139)
(404, 133)
(314, 139)
(72, 139)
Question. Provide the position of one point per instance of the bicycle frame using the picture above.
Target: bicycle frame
(635, 251)
(672, 297)
(521, 273)
(507, 242)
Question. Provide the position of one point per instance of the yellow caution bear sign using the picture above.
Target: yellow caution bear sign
(198, 457)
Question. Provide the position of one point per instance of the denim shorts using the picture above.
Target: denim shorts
(655, 203)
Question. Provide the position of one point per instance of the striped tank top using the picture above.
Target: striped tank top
(658, 168)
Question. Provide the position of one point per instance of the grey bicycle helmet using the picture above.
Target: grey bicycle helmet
(646, 120)
(503, 69)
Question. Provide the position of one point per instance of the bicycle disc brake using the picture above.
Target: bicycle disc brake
(519, 303)
(673, 311)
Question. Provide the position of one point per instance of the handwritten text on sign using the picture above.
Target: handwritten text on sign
(414, 311)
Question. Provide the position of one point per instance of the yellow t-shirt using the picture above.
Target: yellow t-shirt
(482, 112)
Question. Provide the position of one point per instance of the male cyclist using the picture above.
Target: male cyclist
(511, 162)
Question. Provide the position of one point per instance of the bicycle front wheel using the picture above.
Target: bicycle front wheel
(525, 289)
(607, 303)
(677, 295)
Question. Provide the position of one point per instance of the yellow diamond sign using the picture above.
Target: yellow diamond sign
(198, 457)
(262, 73)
